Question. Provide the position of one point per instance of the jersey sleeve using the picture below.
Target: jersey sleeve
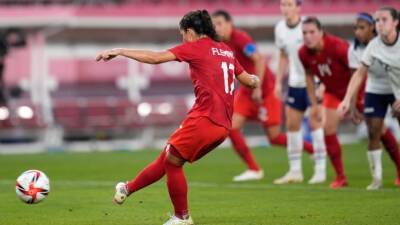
(278, 39)
(183, 52)
(367, 55)
(246, 44)
(238, 68)
(354, 61)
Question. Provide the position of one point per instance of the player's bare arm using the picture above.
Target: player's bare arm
(282, 70)
(143, 56)
(311, 91)
(259, 64)
(250, 81)
(356, 81)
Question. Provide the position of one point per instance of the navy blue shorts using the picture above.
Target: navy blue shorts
(376, 105)
(298, 98)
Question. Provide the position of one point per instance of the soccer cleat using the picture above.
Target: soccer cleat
(375, 185)
(339, 183)
(177, 221)
(397, 182)
(318, 177)
(121, 193)
(290, 177)
(249, 175)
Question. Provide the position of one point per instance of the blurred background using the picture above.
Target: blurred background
(55, 97)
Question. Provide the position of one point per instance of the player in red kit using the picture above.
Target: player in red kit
(213, 68)
(259, 104)
(325, 56)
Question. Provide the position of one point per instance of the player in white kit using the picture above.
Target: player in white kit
(289, 38)
(381, 62)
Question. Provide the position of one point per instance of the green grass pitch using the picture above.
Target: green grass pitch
(82, 186)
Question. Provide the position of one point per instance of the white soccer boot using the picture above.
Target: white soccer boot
(177, 221)
(290, 177)
(121, 193)
(375, 185)
(318, 177)
(249, 175)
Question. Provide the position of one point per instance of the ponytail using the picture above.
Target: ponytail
(200, 21)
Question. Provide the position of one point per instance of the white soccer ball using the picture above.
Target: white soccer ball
(32, 186)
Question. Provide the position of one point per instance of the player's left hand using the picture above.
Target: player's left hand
(108, 54)
(257, 95)
(356, 116)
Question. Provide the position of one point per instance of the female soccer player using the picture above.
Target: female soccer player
(259, 104)
(213, 69)
(289, 38)
(378, 62)
(325, 56)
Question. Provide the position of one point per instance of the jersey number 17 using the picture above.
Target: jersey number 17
(226, 69)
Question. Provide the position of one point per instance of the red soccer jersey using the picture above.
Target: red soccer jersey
(244, 46)
(330, 65)
(212, 70)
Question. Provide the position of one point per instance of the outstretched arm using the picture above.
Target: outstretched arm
(280, 75)
(144, 56)
(352, 90)
(250, 81)
(315, 111)
(259, 64)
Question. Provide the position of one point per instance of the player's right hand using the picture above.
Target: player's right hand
(108, 54)
(344, 108)
(315, 112)
(278, 91)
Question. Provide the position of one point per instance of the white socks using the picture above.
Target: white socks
(375, 163)
(295, 149)
(319, 150)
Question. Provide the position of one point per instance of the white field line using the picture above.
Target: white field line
(248, 186)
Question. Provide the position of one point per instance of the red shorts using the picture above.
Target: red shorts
(332, 102)
(196, 137)
(269, 112)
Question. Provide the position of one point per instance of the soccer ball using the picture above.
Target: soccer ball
(32, 186)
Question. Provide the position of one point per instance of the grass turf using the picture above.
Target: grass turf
(82, 186)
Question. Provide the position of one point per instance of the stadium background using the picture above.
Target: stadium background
(59, 98)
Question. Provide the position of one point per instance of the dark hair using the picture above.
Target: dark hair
(200, 22)
(223, 13)
(366, 17)
(393, 12)
(313, 20)
(299, 2)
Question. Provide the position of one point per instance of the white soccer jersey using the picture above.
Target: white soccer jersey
(378, 81)
(387, 57)
(290, 40)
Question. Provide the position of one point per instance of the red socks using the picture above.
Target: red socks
(335, 154)
(391, 146)
(176, 181)
(243, 150)
(281, 140)
(151, 174)
(177, 188)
